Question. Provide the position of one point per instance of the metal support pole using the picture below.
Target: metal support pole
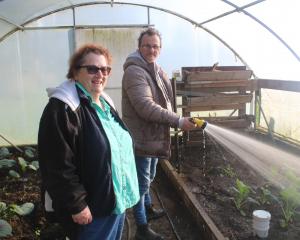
(176, 141)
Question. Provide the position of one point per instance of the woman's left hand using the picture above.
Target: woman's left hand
(84, 217)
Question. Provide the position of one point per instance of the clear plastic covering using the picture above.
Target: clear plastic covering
(282, 110)
(260, 34)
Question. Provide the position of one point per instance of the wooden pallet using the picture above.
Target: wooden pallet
(214, 89)
(221, 88)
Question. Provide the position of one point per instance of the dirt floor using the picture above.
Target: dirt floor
(178, 223)
(210, 172)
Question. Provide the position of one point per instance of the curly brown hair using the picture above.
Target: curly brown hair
(78, 57)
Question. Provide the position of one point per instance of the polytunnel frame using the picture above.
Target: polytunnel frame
(200, 25)
(264, 84)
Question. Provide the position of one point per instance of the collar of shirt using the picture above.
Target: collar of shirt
(86, 93)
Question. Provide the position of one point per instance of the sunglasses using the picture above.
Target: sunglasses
(92, 69)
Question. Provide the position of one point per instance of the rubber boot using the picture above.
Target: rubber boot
(144, 232)
(153, 213)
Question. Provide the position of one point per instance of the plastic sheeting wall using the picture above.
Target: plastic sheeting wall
(30, 62)
(120, 42)
(282, 110)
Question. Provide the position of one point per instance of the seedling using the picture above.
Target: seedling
(5, 228)
(4, 152)
(266, 195)
(29, 152)
(242, 192)
(24, 165)
(228, 171)
(8, 211)
(7, 163)
(14, 174)
(22, 210)
(289, 202)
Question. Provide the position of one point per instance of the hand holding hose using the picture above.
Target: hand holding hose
(186, 124)
(200, 123)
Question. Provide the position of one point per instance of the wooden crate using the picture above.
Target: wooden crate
(221, 88)
(213, 89)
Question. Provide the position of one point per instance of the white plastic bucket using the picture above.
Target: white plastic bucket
(261, 223)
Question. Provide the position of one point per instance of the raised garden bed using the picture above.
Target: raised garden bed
(210, 173)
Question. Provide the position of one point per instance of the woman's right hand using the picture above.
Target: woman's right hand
(84, 217)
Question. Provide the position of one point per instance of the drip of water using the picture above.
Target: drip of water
(272, 163)
(204, 155)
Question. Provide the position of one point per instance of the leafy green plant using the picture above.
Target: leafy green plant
(241, 196)
(24, 165)
(289, 202)
(228, 171)
(7, 163)
(266, 196)
(29, 152)
(37, 232)
(34, 165)
(8, 211)
(5, 211)
(292, 178)
(23, 209)
(2, 208)
(4, 152)
(5, 228)
(14, 174)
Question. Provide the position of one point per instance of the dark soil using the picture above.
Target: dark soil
(164, 196)
(210, 172)
(19, 191)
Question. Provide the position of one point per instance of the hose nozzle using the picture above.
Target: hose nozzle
(199, 122)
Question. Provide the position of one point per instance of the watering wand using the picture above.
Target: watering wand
(200, 123)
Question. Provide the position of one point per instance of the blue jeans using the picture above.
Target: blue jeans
(104, 228)
(146, 170)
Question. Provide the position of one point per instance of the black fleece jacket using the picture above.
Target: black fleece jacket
(75, 159)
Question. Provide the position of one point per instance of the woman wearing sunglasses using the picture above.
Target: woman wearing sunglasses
(86, 153)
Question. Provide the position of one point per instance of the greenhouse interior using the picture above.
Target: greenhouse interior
(234, 64)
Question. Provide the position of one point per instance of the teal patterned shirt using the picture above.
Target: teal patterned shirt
(124, 174)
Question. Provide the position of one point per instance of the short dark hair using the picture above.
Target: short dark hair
(151, 32)
(78, 57)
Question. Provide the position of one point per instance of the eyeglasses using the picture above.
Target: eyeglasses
(92, 69)
(148, 46)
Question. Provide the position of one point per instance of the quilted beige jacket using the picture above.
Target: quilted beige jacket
(144, 107)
